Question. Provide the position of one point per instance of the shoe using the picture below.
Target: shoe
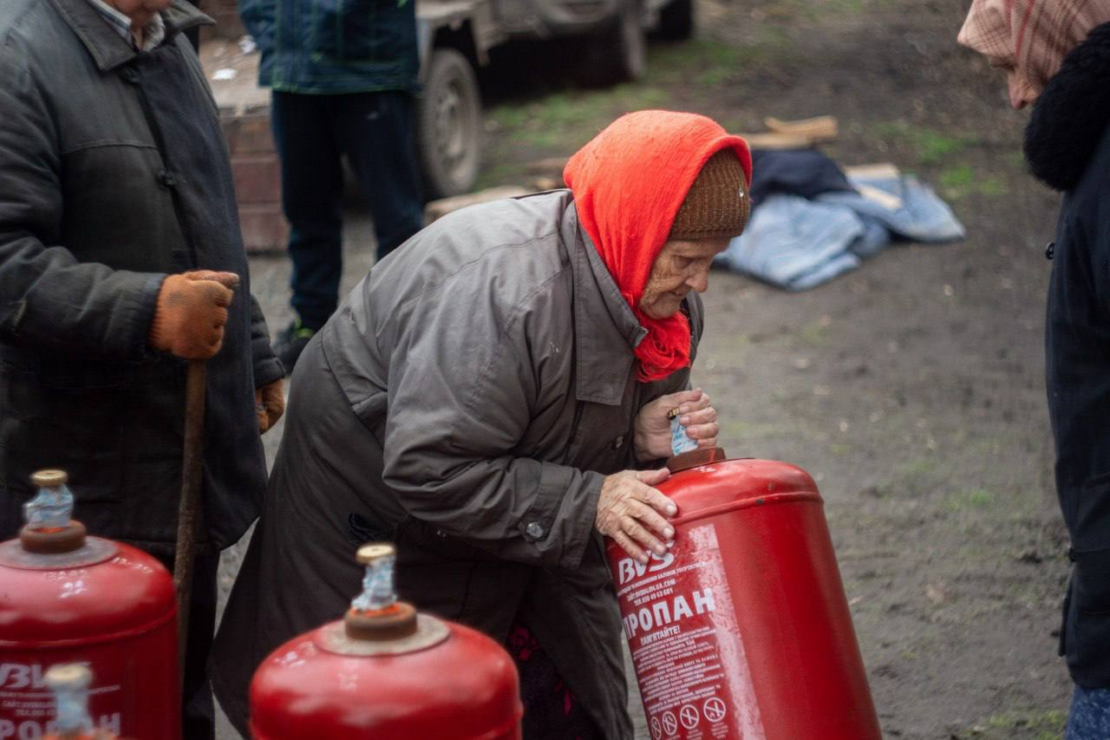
(290, 343)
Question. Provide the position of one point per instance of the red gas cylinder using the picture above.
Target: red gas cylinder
(385, 671)
(66, 597)
(742, 629)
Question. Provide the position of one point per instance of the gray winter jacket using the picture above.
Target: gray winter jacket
(466, 402)
(114, 173)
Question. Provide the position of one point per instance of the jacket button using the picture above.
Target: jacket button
(1049, 250)
(534, 530)
(166, 180)
(129, 74)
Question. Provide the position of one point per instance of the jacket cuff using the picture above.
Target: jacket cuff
(265, 364)
(141, 315)
(267, 371)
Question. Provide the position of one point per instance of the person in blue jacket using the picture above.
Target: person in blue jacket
(343, 77)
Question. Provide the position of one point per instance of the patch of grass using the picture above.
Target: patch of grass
(929, 146)
(1046, 724)
(961, 180)
(812, 10)
(559, 123)
(918, 467)
(958, 177)
(814, 333)
(495, 174)
(708, 63)
(1017, 161)
(969, 499)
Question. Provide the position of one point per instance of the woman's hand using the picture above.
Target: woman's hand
(631, 511)
(652, 440)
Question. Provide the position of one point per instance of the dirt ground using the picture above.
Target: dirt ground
(911, 389)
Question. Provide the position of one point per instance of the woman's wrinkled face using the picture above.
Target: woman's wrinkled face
(682, 266)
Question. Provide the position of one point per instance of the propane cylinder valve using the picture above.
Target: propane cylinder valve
(49, 529)
(52, 507)
(70, 685)
(377, 584)
(376, 614)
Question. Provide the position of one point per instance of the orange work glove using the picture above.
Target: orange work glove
(190, 313)
(269, 404)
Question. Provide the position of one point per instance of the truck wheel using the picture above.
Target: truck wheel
(618, 54)
(676, 20)
(449, 126)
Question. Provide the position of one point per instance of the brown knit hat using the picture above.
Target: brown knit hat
(717, 204)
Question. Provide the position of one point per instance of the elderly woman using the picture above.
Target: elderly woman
(1057, 54)
(493, 398)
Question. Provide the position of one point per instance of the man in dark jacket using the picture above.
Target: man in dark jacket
(1067, 145)
(343, 77)
(121, 259)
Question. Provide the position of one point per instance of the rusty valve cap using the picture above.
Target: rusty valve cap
(696, 458)
(375, 614)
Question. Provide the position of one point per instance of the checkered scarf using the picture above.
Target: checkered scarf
(1030, 37)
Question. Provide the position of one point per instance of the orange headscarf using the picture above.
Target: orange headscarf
(1030, 37)
(628, 185)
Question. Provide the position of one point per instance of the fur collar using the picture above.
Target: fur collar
(1071, 115)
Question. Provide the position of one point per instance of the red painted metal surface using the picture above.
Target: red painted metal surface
(742, 630)
(463, 688)
(107, 605)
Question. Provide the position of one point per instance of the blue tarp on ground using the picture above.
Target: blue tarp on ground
(797, 243)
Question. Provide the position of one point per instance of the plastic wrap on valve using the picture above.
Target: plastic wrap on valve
(377, 585)
(680, 440)
(51, 508)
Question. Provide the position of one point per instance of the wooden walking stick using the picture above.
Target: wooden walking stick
(191, 472)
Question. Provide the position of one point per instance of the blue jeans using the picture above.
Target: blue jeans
(1089, 718)
(312, 133)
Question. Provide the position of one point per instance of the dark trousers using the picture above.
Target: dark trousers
(198, 712)
(312, 133)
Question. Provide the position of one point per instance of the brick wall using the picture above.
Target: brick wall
(226, 15)
(257, 172)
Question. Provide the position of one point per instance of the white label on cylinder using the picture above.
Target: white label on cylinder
(685, 642)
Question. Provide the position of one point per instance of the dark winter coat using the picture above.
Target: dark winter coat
(465, 402)
(1068, 146)
(113, 173)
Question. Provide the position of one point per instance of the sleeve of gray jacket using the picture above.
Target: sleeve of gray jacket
(462, 389)
(48, 299)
